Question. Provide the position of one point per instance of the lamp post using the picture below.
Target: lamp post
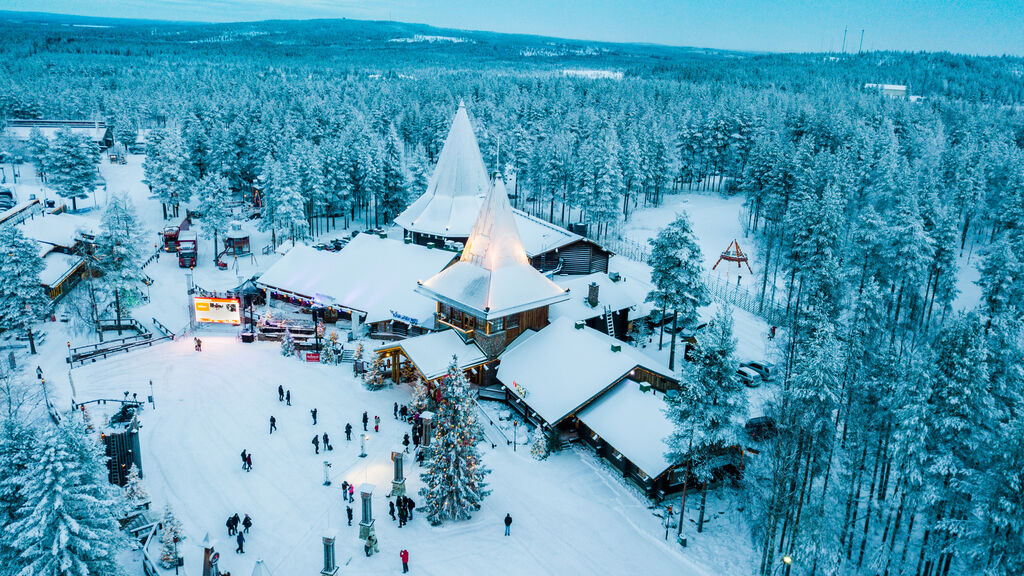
(362, 445)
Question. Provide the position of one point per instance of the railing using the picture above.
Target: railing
(109, 324)
(80, 355)
(628, 248)
(152, 257)
(727, 292)
(163, 329)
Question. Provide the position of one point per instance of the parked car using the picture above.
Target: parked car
(761, 428)
(766, 370)
(748, 377)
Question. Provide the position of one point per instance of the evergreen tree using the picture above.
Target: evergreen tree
(393, 196)
(167, 170)
(17, 455)
(169, 549)
(540, 446)
(331, 350)
(67, 523)
(119, 251)
(134, 492)
(22, 298)
(678, 278)
(453, 477)
(71, 165)
(213, 195)
(287, 344)
(376, 376)
(421, 401)
(709, 411)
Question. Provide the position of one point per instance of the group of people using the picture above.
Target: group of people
(246, 460)
(198, 344)
(232, 524)
(405, 508)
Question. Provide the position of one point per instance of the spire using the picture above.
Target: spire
(453, 193)
(495, 240)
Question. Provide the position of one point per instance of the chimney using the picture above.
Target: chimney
(592, 294)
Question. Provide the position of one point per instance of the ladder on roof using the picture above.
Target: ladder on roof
(609, 323)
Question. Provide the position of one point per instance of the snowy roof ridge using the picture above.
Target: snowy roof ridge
(493, 277)
(454, 189)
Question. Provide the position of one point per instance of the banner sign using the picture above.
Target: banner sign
(403, 318)
(217, 310)
(312, 356)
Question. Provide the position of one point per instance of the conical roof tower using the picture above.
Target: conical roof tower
(493, 278)
(454, 191)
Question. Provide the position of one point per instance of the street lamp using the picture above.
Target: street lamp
(362, 445)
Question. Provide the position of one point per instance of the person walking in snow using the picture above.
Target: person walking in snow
(316, 443)
(376, 423)
(313, 414)
(396, 410)
(508, 524)
(344, 490)
(391, 507)
(403, 516)
(405, 442)
(348, 512)
(410, 506)
(235, 520)
(351, 493)
(231, 526)
(415, 439)
(246, 524)
(404, 411)
(366, 420)
(248, 462)
(241, 544)
(404, 555)
(280, 393)
(288, 398)
(273, 424)
(243, 459)
(348, 432)
(327, 443)
(199, 345)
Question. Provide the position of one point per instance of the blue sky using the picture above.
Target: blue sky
(975, 27)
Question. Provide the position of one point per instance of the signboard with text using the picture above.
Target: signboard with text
(217, 310)
(312, 356)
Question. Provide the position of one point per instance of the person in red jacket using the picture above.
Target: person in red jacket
(404, 555)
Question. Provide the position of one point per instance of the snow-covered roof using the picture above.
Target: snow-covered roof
(618, 295)
(452, 198)
(493, 277)
(63, 230)
(370, 274)
(634, 423)
(636, 278)
(56, 267)
(431, 353)
(561, 367)
(540, 236)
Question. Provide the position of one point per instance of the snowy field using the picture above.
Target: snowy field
(572, 514)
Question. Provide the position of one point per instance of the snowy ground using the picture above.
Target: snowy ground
(572, 514)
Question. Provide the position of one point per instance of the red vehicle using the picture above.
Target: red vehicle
(170, 235)
(187, 249)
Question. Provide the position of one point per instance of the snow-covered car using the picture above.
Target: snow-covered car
(766, 370)
(748, 377)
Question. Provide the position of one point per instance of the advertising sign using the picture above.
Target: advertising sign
(312, 356)
(217, 310)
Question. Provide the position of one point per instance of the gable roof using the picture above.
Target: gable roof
(493, 277)
(431, 353)
(561, 368)
(453, 193)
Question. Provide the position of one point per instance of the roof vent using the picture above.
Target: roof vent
(614, 276)
(430, 245)
(408, 239)
(580, 325)
(616, 347)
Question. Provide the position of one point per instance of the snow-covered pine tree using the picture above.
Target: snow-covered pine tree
(22, 299)
(393, 195)
(67, 524)
(453, 475)
(17, 454)
(374, 377)
(169, 550)
(540, 446)
(213, 195)
(118, 250)
(330, 352)
(287, 343)
(71, 165)
(677, 277)
(708, 413)
(134, 492)
(421, 400)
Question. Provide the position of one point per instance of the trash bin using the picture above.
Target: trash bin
(247, 337)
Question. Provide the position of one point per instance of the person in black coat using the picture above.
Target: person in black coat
(405, 442)
(348, 511)
(313, 414)
(366, 420)
(288, 397)
(403, 516)
(396, 411)
(327, 442)
(231, 526)
(316, 443)
(410, 505)
(348, 432)
(246, 524)
(241, 544)
(508, 523)
(280, 393)
(391, 507)
(404, 411)
(273, 424)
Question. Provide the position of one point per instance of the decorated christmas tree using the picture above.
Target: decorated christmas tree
(539, 446)
(171, 532)
(374, 378)
(331, 351)
(420, 397)
(287, 344)
(453, 478)
(66, 523)
(135, 493)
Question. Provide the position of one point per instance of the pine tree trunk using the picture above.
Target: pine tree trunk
(703, 505)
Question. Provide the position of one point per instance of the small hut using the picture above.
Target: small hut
(236, 242)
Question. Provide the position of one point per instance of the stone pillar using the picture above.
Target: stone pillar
(427, 420)
(398, 482)
(330, 565)
(366, 522)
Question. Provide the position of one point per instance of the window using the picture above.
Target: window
(480, 323)
(497, 325)
(512, 321)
